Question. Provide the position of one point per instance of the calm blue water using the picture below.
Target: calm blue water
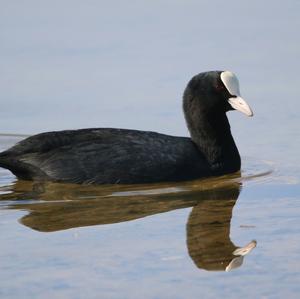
(73, 64)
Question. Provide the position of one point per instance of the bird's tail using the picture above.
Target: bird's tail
(14, 164)
(4, 160)
(7, 161)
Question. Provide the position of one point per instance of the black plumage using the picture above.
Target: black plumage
(110, 156)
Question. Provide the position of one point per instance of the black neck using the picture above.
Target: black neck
(212, 135)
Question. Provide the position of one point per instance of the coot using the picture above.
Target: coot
(119, 156)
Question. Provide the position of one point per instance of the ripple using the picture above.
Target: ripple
(253, 172)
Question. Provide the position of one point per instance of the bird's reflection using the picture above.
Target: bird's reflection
(53, 207)
(208, 233)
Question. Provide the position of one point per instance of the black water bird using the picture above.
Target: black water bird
(119, 156)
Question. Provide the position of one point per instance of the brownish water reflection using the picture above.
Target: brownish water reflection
(53, 207)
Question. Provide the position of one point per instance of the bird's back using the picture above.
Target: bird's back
(105, 156)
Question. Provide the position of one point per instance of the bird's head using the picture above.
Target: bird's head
(215, 91)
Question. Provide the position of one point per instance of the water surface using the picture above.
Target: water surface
(73, 64)
(152, 241)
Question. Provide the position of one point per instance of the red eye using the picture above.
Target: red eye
(219, 87)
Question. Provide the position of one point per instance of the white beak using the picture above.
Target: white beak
(240, 104)
(231, 82)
